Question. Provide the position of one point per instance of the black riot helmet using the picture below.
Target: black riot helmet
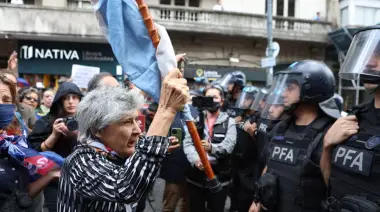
(247, 97)
(233, 78)
(363, 57)
(306, 81)
(239, 78)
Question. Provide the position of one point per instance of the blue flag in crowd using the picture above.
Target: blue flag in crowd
(128, 36)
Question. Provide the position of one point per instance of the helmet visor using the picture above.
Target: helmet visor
(226, 81)
(246, 98)
(363, 57)
(284, 92)
(260, 100)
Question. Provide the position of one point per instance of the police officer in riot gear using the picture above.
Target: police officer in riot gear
(200, 83)
(245, 155)
(233, 84)
(351, 155)
(295, 143)
(275, 113)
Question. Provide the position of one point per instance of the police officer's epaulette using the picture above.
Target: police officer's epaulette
(357, 109)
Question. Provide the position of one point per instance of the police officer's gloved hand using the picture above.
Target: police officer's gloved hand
(267, 191)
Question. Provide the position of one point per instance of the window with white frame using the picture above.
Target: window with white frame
(85, 4)
(344, 16)
(367, 16)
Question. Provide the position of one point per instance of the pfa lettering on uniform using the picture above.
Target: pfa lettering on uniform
(285, 154)
(353, 159)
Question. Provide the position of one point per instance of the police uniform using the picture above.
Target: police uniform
(354, 183)
(294, 151)
(237, 78)
(245, 153)
(294, 154)
(355, 166)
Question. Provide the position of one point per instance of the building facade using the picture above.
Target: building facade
(209, 37)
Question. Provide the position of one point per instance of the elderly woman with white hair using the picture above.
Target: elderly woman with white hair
(114, 165)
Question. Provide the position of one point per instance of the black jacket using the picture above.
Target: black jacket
(44, 127)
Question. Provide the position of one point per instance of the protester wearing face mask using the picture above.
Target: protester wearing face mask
(219, 141)
(47, 101)
(15, 183)
(56, 131)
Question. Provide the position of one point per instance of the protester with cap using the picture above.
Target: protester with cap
(350, 158)
(292, 180)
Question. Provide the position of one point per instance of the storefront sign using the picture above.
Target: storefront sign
(217, 72)
(45, 57)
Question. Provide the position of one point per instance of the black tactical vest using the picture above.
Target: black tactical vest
(300, 181)
(245, 155)
(355, 168)
(223, 167)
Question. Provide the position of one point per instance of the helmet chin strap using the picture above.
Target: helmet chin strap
(290, 109)
(372, 91)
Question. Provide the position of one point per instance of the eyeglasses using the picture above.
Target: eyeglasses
(30, 99)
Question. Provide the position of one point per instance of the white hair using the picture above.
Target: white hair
(105, 106)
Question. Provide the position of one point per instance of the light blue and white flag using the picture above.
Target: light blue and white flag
(124, 27)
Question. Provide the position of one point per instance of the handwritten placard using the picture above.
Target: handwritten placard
(81, 75)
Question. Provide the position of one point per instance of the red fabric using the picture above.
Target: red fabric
(210, 124)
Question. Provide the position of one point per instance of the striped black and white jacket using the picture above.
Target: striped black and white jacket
(92, 182)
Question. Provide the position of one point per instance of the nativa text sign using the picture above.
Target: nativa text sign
(28, 52)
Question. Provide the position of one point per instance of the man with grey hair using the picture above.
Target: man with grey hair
(102, 79)
(114, 164)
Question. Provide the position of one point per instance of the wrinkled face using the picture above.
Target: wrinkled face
(122, 136)
(70, 104)
(110, 81)
(291, 94)
(275, 111)
(374, 66)
(47, 98)
(5, 94)
(31, 99)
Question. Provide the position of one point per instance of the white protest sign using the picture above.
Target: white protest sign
(81, 75)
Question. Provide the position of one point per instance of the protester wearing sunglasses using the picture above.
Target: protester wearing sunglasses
(30, 97)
